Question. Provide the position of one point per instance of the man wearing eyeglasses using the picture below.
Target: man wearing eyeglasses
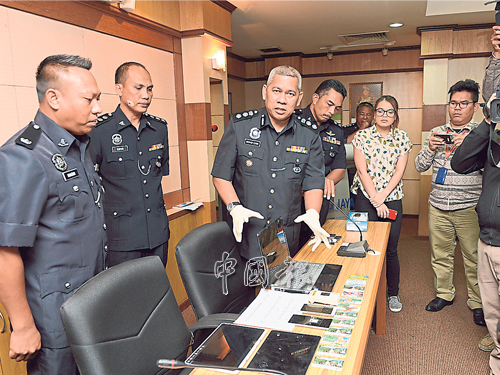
(453, 200)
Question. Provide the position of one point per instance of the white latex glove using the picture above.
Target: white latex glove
(311, 218)
(240, 216)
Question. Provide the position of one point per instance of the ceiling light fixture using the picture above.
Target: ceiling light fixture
(396, 24)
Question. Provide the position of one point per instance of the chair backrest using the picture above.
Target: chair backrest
(124, 319)
(197, 254)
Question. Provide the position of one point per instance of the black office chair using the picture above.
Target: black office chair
(197, 254)
(124, 319)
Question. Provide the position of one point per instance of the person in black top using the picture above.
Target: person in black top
(326, 102)
(130, 150)
(264, 162)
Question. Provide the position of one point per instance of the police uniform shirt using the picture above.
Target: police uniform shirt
(269, 171)
(350, 129)
(132, 163)
(51, 210)
(332, 138)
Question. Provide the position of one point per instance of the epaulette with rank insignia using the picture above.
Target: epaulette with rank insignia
(103, 118)
(30, 136)
(155, 118)
(244, 115)
(298, 111)
(308, 124)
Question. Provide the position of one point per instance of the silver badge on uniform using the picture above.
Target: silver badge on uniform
(116, 139)
(255, 133)
(59, 162)
(296, 169)
(63, 143)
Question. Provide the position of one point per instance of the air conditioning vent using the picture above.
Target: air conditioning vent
(270, 49)
(365, 38)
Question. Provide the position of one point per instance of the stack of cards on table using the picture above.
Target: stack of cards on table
(333, 346)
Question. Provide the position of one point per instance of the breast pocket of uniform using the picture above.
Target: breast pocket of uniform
(119, 166)
(118, 218)
(294, 166)
(155, 164)
(251, 161)
(75, 200)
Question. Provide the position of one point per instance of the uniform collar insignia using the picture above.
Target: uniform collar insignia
(63, 143)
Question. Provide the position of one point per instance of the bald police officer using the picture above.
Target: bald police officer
(51, 219)
(130, 150)
(264, 162)
(327, 102)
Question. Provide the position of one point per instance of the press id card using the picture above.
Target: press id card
(441, 175)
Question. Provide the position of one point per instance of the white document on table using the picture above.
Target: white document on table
(273, 309)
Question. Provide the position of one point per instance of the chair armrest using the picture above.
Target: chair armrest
(213, 321)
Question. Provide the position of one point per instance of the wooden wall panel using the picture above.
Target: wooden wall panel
(216, 20)
(471, 41)
(410, 172)
(433, 115)
(411, 198)
(181, 120)
(165, 12)
(255, 69)
(410, 120)
(423, 218)
(396, 60)
(98, 16)
(236, 67)
(294, 61)
(198, 121)
(438, 42)
(191, 15)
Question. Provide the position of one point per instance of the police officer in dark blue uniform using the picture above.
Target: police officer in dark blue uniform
(326, 102)
(130, 150)
(264, 162)
(52, 231)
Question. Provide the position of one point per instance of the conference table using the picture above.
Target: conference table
(373, 307)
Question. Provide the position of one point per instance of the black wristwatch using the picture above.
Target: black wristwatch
(232, 205)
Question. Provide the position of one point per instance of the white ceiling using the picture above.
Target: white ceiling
(305, 26)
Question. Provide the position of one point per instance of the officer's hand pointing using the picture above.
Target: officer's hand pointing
(240, 216)
(311, 218)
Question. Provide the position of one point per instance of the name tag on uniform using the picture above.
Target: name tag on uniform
(252, 142)
(71, 174)
(298, 149)
(123, 148)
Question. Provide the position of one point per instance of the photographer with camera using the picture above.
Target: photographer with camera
(453, 200)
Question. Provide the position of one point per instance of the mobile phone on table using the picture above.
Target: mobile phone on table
(392, 214)
(311, 321)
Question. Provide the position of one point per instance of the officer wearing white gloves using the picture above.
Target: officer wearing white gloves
(266, 159)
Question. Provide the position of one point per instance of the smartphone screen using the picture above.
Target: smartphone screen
(310, 321)
(448, 139)
(317, 309)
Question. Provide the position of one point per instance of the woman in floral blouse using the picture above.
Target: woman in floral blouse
(381, 154)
